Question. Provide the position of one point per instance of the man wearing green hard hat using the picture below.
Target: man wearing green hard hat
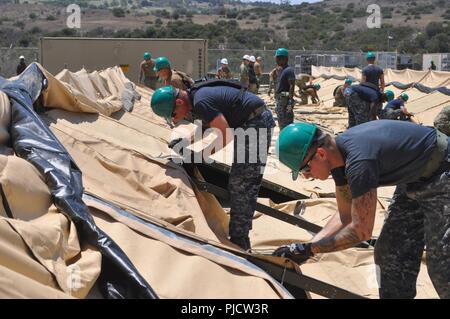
(169, 76)
(224, 107)
(310, 91)
(147, 75)
(284, 92)
(396, 110)
(361, 100)
(372, 73)
(374, 154)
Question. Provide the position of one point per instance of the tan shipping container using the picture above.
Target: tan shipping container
(187, 55)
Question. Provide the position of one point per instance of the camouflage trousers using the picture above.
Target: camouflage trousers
(391, 114)
(418, 216)
(285, 111)
(358, 110)
(247, 172)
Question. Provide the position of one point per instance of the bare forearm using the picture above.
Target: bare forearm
(346, 238)
(360, 228)
(333, 226)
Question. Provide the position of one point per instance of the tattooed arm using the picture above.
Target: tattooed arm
(359, 229)
(342, 218)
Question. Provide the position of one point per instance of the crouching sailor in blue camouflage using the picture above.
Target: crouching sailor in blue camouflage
(362, 101)
(380, 153)
(225, 106)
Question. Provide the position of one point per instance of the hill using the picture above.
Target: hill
(415, 26)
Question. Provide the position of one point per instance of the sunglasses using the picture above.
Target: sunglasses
(307, 168)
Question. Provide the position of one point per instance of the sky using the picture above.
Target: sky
(278, 1)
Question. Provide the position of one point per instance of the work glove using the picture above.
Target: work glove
(297, 252)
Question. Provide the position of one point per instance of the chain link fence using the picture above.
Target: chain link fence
(303, 59)
(300, 59)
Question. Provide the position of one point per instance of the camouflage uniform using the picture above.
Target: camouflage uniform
(390, 114)
(418, 216)
(285, 110)
(442, 121)
(273, 76)
(339, 99)
(301, 81)
(224, 74)
(244, 75)
(245, 179)
(309, 92)
(179, 80)
(358, 110)
(149, 75)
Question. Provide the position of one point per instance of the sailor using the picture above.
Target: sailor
(396, 110)
(361, 99)
(147, 73)
(284, 93)
(380, 153)
(225, 107)
(169, 76)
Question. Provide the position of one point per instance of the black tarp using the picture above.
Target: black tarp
(33, 141)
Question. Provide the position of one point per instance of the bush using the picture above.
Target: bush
(33, 16)
(50, 18)
(35, 30)
(19, 24)
(118, 12)
(24, 42)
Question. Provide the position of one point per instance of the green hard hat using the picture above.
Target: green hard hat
(389, 95)
(161, 63)
(282, 52)
(293, 144)
(317, 86)
(147, 56)
(405, 97)
(163, 102)
(371, 55)
(349, 82)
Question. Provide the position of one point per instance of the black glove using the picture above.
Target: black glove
(297, 252)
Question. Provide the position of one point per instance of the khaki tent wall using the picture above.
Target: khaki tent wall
(186, 55)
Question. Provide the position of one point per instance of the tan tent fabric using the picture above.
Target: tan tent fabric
(5, 119)
(404, 76)
(27, 194)
(187, 270)
(75, 92)
(47, 252)
(14, 285)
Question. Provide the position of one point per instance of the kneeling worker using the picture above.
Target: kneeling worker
(225, 107)
(396, 110)
(380, 153)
